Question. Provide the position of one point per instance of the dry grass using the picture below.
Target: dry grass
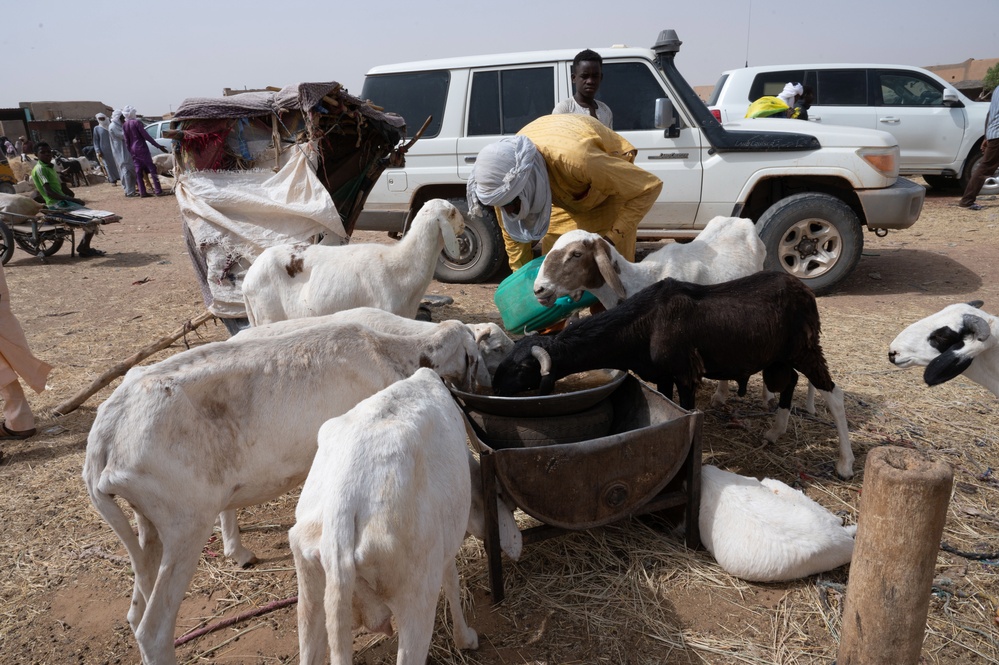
(627, 593)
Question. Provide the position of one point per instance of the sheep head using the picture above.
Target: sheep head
(455, 356)
(527, 367)
(577, 262)
(946, 343)
(450, 222)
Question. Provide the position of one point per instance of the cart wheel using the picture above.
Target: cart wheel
(7, 240)
(46, 246)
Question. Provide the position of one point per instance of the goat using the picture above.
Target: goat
(765, 531)
(382, 514)
(727, 248)
(293, 281)
(493, 343)
(72, 169)
(233, 424)
(676, 333)
(959, 339)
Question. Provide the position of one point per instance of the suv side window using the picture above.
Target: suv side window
(503, 101)
(413, 95)
(630, 89)
(770, 84)
(896, 88)
(841, 87)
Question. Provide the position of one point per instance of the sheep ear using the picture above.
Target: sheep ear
(450, 240)
(608, 269)
(977, 304)
(945, 367)
(978, 326)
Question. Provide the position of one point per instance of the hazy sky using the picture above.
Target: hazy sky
(154, 55)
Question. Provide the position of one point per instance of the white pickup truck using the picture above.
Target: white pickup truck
(811, 190)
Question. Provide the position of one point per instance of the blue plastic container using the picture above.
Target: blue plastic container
(521, 311)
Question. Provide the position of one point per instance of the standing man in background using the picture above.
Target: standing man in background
(587, 74)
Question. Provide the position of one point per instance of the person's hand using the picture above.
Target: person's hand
(162, 148)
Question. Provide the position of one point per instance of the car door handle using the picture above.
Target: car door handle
(890, 120)
(470, 160)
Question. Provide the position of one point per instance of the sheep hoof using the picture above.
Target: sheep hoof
(469, 640)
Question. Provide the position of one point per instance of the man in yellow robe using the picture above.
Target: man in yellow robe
(559, 173)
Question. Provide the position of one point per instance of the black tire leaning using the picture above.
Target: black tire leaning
(482, 249)
(820, 226)
(7, 238)
(516, 432)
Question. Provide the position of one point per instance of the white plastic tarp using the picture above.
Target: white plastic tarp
(234, 215)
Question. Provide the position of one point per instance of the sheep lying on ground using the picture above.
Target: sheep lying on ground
(18, 205)
(727, 248)
(959, 339)
(493, 343)
(765, 531)
(677, 333)
(383, 513)
(233, 424)
(293, 281)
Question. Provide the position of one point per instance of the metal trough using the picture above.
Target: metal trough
(649, 462)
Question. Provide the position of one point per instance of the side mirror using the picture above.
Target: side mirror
(950, 98)
(665, 118)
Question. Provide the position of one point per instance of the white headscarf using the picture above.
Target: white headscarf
(129, 112)
(510, 168)
(103, 120)
(791, 90)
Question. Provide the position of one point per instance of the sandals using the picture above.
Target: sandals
(973, 206)
(7, 434)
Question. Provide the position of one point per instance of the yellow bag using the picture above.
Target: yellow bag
(765, 107)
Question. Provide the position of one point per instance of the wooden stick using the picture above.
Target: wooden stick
(118, 370)
(902, 513)
(225, 623)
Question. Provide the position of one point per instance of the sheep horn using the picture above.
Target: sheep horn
(977, 325)
(543, 358)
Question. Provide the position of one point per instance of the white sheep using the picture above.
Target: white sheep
(233, 424)
(18, 205)
(726, 249)
(493, 343)
(765, 531)
(959, 339)
(388, 501)
(164, 163)
(294, 281)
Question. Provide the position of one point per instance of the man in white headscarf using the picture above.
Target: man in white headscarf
(790, 93)
(102, 146)
(121, 154)
(562, 172)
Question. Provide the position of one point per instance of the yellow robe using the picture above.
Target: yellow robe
(595, 184)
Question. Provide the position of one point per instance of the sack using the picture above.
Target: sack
(521, 311)
(764, 107)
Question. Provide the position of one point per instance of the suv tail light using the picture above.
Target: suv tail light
(716, 113)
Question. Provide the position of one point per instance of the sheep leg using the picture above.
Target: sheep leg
(464, 636)
(782, 380)
(145, 563)
(721, 394)
(810, 399)
(232, 546)
(834, 400)
(415, 618)
(181, 550)
(311, 586)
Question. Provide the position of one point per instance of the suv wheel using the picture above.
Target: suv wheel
(991, 186)
(482, 249)
(815, 237)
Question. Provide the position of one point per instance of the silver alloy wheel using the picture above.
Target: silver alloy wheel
(810, 248)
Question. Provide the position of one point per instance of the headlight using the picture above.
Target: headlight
(882, 160)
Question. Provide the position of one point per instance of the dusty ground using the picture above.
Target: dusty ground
(629, 593)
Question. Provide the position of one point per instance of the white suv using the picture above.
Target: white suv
(811, 190)
(939, 130)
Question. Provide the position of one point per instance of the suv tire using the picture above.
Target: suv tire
(991, 185)
(482, 249)
(815, 237)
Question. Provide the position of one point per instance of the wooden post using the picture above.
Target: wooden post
(902, 513)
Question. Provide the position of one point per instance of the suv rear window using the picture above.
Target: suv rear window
(413, 95)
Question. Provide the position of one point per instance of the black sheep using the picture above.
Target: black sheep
(676, 333)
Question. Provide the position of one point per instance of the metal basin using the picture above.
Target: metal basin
(556, 404)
